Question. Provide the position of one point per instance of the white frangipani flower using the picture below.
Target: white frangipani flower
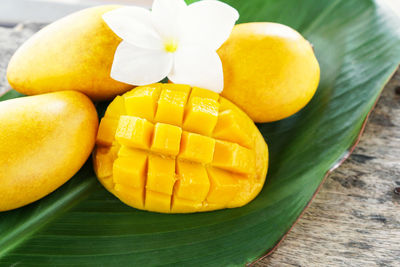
(173, 40)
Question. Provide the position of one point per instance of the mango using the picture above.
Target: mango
(73, 53)
(270, 70)
(171, 148)
(44, 141)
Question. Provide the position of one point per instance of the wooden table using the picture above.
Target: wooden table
(355, 218)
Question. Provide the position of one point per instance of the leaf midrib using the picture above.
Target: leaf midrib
(23, 231)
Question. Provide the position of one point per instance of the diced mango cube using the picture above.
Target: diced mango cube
(107, 182)
(205, 93)
(235, 158)
(223, 186)
(106, 132)
(180, 205)
(231, 128)
(143, 101)
(225, 104)
(193, 183)
(103, 161)
(248, 187)
(161, 174)
(157, 201)
(171, 106)
(133, 197)
(130, 171)
(195, 147)
(166, 139)
(177, 87)
(130, 152)
(116, 108)
(201, 115)
(134, 132)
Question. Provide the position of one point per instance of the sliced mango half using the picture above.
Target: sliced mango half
(171, 148)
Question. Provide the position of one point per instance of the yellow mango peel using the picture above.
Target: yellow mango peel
(73, 53)
(171, 148)
(270, 70)
(44, 141)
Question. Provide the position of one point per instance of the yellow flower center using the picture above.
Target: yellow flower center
(171, 45)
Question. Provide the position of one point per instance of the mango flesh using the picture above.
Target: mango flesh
(44, 141)
(270, 70)
(171, 148)
(73, 53)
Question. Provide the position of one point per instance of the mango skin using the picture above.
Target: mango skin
(44, 141)
(73, 53)
(270, 70)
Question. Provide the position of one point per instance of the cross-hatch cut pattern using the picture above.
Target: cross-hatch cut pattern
(172, 148)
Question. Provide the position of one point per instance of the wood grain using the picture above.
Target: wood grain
(355, 218)
(10, 40)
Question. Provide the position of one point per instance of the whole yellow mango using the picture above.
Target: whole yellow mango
(270, 70)
(175, 149)
(44, 141)
(73, 53)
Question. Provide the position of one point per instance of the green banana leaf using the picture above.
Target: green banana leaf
(357, 43)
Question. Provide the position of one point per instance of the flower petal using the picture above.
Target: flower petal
(166, 16)
(198, 66)
(140, 66)
(134, 25)
(208, 23)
